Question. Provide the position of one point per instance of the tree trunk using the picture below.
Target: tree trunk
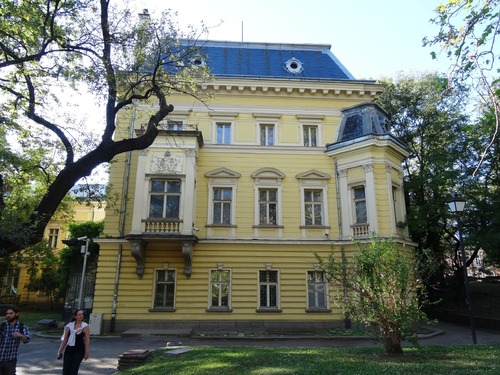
(391, 340)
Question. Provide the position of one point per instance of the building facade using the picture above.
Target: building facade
(222, 216)
(81, 209)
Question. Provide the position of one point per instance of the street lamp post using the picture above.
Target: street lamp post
(457, 205)
(85, 251)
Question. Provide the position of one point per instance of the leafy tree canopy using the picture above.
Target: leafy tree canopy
(468, 35)
(54, 49)
(379, 287)
(429, 116)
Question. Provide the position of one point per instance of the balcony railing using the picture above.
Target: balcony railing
(360, 230)
(161, 226)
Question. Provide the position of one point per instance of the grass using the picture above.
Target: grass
(30, 317)
(428, 360)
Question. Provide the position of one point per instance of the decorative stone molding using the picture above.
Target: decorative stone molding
(191, 152)
(165, 163)
(342, 173)
(313, 174)
(187, 253)
(138, 249)
(368, 168)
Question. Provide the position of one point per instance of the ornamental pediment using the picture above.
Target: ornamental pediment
(268, 173)
(313, 174)
(222, 173)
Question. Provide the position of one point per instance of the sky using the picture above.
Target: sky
(371, 38)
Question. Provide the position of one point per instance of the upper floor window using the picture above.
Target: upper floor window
(220, 283)
(222, 189)
(164, 289)
(268, 206)
(175, 125)
(53, 237)
(267, 134)
(223, 133)
(317, 293)
(268, 289)
(268, 196)
(314, 188)
(310, 133)
(359, 199)
(313, 206)
(222, 201)
(164, 199)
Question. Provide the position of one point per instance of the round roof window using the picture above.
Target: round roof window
(198, 61)
(294, 66)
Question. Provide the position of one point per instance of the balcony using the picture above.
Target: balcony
(360, 230)
(161, 226)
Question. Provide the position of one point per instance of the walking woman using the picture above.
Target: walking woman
(76, 344)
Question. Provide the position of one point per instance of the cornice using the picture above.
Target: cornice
(287, 87)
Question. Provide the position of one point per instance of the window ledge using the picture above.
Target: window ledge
(162, 220)
(162, 309)
(268, 310)
(318, 310)
(277, 226)
(219, 310)
(220, 226)
(315, 227)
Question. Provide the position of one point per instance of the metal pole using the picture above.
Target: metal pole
(466, 282)
(86, 249)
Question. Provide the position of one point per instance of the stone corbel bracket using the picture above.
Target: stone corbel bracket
(187, 253)
(138, 249)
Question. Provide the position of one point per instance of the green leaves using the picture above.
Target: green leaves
(55, 49)
(379, 287)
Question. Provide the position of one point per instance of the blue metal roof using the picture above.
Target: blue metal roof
(268, 60)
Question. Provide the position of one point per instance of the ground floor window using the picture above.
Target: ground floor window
(220, 282)
(165, 289)
(316, 290)
(268, 289)
(9, 283)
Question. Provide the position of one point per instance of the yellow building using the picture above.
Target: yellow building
(223, 213)
(13, 285)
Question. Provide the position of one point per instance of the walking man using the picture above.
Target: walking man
(12, 331)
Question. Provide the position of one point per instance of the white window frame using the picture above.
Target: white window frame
(316, 291)
(354, 201)
(53, 238)
(267, 125)
(176, 123)
(222, 178)
(313, 204)
(155, 286)
(165, 194)
(219, 283)
(314, 180)
(10, 282)
(230, 202)
(268, 202)
(225, 124)
(305, 129)
(268, 285)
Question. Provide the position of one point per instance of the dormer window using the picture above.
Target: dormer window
(362, 120)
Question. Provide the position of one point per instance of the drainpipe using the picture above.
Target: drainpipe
(123, 211)
(347, 322)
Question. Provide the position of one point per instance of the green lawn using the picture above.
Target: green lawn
(31, 317)
(429, 360)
